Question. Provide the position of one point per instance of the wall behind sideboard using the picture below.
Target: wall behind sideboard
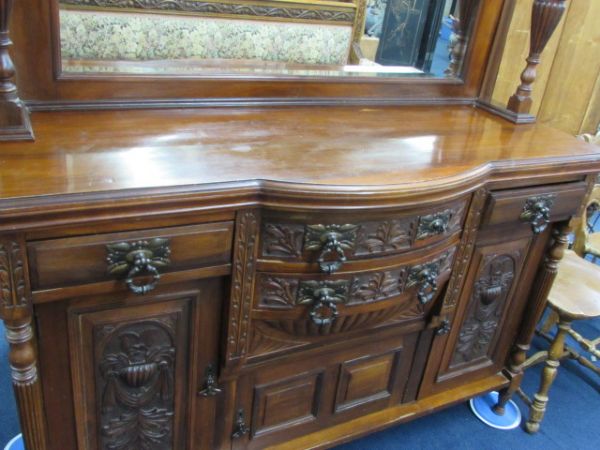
(567, 90)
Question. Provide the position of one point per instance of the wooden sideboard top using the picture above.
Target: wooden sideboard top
(356, 152)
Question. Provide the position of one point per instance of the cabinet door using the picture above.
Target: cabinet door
(137, 365)
(488, 311)
(300, 395)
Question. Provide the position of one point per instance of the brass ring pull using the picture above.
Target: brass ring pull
(141, 265)
(138, 258)
(325, 301)
(331, 246)
(323, 297)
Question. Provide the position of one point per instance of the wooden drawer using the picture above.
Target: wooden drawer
(90, 259)
(294, 237)
(534, 207)
(293, 311)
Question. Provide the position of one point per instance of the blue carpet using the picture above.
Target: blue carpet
(9, 423)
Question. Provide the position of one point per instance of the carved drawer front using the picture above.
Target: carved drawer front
(125, 257)
(298, 310)
(534, 207)
(331, 239)
(288, 399)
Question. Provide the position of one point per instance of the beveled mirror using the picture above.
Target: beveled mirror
(350, 38)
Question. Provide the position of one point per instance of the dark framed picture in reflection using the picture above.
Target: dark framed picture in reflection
(409, 32)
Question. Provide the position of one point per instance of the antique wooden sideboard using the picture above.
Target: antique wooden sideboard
(292, 268)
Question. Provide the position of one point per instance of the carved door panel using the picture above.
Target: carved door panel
(140, 370)
(492, 300)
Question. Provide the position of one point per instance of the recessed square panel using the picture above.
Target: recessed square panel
(285, 403)
(365, 380)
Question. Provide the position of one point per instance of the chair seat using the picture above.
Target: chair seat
(576, 290)
(593, 244)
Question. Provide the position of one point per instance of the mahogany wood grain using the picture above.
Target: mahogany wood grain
(507, 206)
(81, 260)
(40, 77)
(349, 153)
(348, 383)
(200, 324)
(119, 286)
(376, 421)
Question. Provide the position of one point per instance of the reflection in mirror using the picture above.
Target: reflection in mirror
(375, 38)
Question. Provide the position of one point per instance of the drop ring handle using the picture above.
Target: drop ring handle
(142, 265)
(324, 300)
(331, 246)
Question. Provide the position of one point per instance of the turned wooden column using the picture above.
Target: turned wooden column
(16, 311)
(545, 18)
(535, 309)
(466, 13)
(14, 116)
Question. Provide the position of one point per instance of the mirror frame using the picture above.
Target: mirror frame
(42, 85)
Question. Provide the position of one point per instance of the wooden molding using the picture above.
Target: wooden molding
(545, 18)
(14, 116)
(518, 119)
(242, 284)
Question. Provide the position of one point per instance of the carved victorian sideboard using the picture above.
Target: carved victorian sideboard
(259, 296)
(292, 268)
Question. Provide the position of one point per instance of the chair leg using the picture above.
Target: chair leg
(550, 321)
(540, 399)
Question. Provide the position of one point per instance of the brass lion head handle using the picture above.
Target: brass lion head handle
(323, 297)
(536, 212)
(332, 242)
(139, 258)
(425, 278)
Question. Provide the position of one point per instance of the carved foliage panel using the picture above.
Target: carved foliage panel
(131, 366)
(289, 240)
(490, 296)
(13, 289)
(285, 292)
(281, 318)
(242, 283)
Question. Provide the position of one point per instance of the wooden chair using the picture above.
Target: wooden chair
(575, 295)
